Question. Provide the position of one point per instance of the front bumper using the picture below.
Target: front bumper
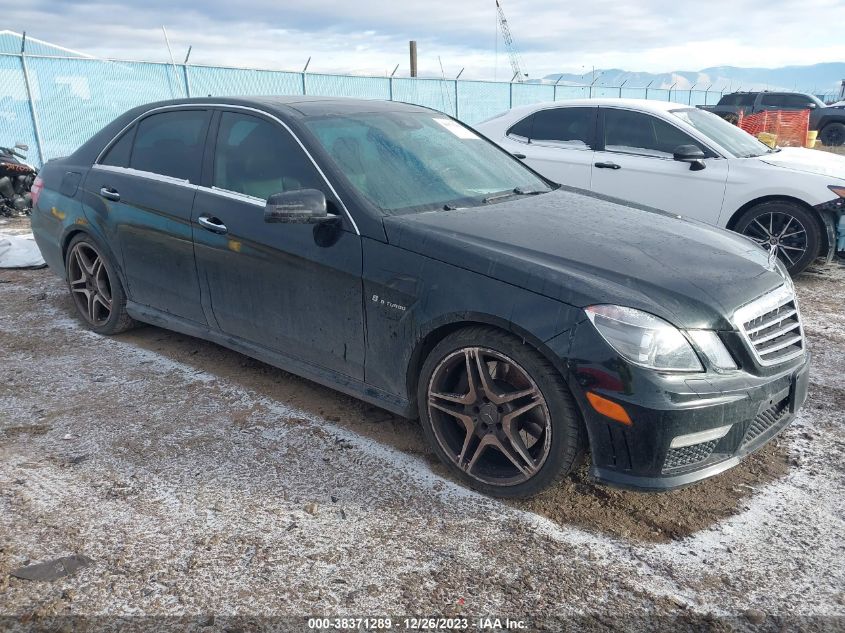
(664, 407)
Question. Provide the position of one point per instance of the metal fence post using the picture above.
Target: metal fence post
(36, 128)
(185, 73)
(510, 96)
(187, 81)
(303, 83)
(456, 99)
(390, 87)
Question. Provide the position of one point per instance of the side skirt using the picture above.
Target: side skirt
(315, 373)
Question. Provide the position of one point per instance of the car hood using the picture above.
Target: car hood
(810, 161)
(587, 249)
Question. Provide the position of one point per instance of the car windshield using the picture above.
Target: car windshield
(408, 162)
(817, 101)
(735, 140)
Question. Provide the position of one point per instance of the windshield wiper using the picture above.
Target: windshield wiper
(529, 192)
(516, 191)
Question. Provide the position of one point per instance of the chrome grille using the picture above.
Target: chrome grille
(772, 327)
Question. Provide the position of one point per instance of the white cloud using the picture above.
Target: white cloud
(370, 36)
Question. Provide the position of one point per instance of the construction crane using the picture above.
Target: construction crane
(512, 52)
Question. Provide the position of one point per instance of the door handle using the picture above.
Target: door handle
(110, 194)
(519, 156)
(212, 224)
(608, 166)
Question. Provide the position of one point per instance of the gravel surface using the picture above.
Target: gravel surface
(197, 482)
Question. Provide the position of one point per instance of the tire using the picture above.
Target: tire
(95, 288)
(548, 435)
(765, 222)
(833, 134)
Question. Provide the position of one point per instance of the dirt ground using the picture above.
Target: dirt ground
(202, 483)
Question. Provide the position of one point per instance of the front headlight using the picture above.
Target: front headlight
(712, 347)
(643, 338)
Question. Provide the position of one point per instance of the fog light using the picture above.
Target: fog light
(699, 438)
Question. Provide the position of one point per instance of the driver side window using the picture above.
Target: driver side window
(631, 132)
(258, 158)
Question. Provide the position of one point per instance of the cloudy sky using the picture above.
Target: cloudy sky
(371, 36)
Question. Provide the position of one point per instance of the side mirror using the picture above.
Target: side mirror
(811, 106)
(691, 154)
(303, 206)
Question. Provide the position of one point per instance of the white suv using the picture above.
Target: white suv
(686, 161)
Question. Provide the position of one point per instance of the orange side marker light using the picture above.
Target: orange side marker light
(609, 408)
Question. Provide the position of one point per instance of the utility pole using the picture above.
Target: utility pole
(413, 51)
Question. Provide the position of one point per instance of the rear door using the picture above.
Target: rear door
(144, 187)
(634, 161)
(558, 143)
(292, 288)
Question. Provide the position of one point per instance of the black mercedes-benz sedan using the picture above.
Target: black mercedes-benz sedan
(394, 254)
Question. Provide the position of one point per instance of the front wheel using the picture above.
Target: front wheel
(833, 134)
(787, 227)
(497, 413)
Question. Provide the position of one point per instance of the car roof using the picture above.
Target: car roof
(306, 105)
(643, 105)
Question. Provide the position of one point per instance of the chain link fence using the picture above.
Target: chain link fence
(54, 104)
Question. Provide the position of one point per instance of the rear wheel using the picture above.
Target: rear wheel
(833, 134)
(95, 287)
(786, 226)
(497, 413)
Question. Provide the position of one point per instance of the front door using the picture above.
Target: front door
(145, 185)
(292, 288)
(635, 162)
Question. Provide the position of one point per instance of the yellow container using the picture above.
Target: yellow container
(811, 138)
(768, 138)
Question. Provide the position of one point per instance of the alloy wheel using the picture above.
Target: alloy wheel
(489, 416)
(90, 285)
(782, 231)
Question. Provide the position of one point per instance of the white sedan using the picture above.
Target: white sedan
(686, 161)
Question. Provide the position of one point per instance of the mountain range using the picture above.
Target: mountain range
(823, 78)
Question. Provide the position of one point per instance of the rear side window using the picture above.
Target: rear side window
(118, 154)
(572, 127)
(171, 144)
(738, 99)
(258, 158)
(568, 127)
